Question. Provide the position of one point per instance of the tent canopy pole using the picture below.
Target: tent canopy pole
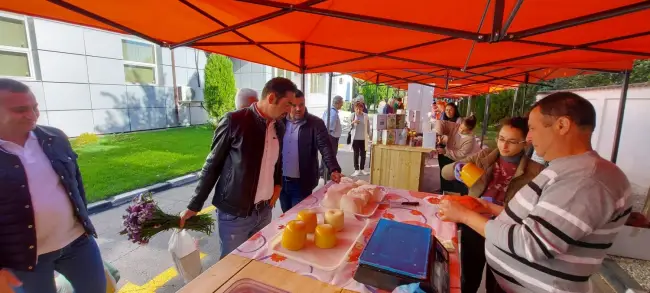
(619, 118)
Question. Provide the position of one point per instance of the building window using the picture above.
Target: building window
(139, 62)
(15, 55)
(317, 83)
(283, 73)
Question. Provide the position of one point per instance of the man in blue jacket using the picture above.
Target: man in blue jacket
(43, 213)
(305, 136)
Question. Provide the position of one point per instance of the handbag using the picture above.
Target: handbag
(349, 140)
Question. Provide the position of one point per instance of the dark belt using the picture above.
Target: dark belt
(291, 178)
(262, 204)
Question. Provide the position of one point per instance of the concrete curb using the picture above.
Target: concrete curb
(126, 197)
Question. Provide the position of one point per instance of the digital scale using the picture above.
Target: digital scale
(399, 254)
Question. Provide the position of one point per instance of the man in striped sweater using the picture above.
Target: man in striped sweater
(555, 232)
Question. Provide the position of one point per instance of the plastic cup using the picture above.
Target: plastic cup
(471, 173)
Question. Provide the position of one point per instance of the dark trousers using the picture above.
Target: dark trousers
(292, 193)
(472, 259)
(450, 185)
(335, 146)
(359, 149)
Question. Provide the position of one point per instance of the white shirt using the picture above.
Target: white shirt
(55, 223)
(270, 157)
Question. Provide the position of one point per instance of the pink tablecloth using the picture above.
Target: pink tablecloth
(423, 215)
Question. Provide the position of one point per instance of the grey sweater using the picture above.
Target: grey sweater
(553, 235)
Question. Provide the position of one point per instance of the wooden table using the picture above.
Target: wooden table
(398, 166)
(255, 260)
(233, 268)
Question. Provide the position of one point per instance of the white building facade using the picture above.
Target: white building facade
(95, 81)
(632, 153)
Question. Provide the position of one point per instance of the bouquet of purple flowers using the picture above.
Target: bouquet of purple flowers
(144, 219)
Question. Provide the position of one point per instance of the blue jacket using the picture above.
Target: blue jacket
(18, 245)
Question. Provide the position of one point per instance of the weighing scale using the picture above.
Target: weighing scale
(399, 254)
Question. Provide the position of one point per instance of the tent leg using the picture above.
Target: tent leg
(514, 103)
(619, 118)
(176, 97)
(523, 97)
(377, 89)
(486, 117)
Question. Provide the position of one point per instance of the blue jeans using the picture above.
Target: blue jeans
(234, 230)
(80, 262)
(291, 194)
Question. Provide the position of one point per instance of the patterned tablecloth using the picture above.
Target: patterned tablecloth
(423, 215)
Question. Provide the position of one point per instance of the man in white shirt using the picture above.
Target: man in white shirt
(43, 212)
(334, 126)
(245, 166)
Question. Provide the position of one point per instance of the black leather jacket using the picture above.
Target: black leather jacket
(16, 212)
(312, 138)
(233, 165)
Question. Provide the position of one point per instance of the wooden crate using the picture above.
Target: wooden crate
(398, 166)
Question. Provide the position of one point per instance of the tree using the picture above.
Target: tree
(640, 73)
(373, 94)
(220, 90)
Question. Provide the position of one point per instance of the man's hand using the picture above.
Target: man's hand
(186, 215)
(8, 281)
(336, 177)
(276, 194)
(452, 211)
(441, 151)
(495, 209)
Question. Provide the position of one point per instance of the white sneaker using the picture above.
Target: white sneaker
(356, 173)
(364, 172)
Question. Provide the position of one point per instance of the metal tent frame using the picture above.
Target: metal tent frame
(499, 33)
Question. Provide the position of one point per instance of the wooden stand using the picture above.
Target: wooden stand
(233, 268)
(398, 166)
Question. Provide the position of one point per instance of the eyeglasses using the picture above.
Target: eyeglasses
(509, 141)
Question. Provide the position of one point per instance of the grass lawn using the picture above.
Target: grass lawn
(123, 162)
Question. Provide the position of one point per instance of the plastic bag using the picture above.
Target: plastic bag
(410, 288)
(186, 255)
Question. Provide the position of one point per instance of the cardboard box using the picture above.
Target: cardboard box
(429, 139)
(379, 122)
(414, 120)
(402, 136)
(377, 136)
(389, 136)
(400, 121)
(391, 121)
(626, 243)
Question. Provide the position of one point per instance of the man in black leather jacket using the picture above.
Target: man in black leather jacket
(305, 136)
(244, 166)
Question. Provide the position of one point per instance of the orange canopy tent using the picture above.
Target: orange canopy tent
(354, 35)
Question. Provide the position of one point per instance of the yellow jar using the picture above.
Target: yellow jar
(325, 236)
(294, 235)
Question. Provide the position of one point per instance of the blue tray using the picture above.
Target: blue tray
(399, 248)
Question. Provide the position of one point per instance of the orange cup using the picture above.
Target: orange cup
(470, 174)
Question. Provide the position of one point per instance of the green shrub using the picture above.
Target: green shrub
(220, 90)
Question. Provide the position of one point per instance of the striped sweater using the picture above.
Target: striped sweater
(553, 235)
